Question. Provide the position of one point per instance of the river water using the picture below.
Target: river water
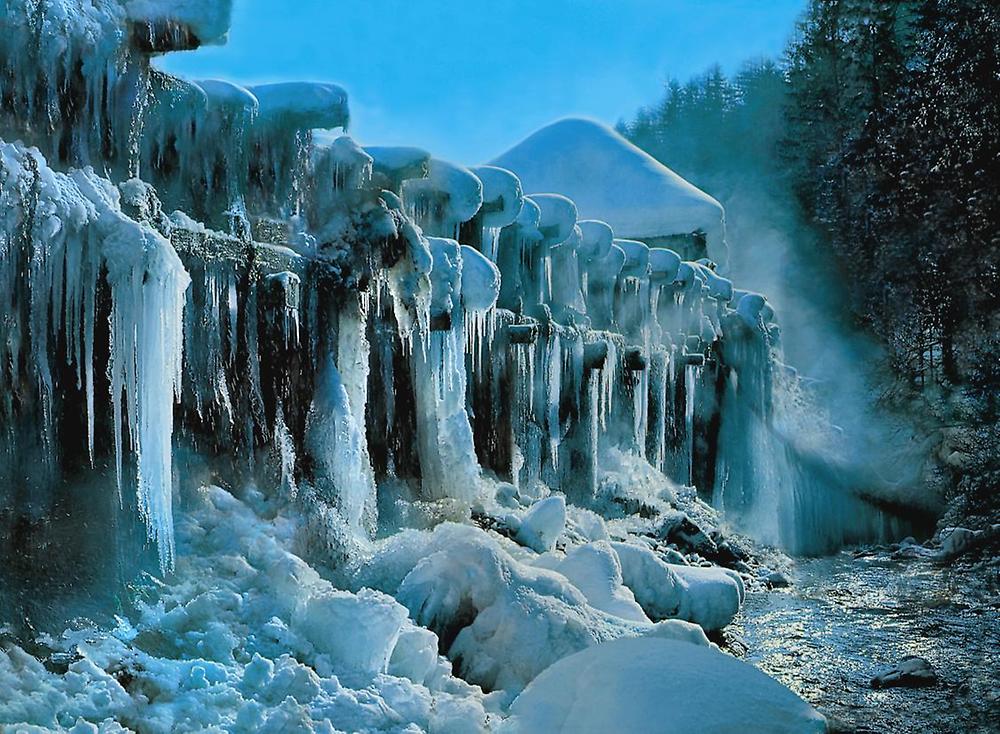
(850, 615)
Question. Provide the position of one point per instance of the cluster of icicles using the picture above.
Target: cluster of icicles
(61, 236)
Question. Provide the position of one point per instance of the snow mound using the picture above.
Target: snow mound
(661, 686)
(500, 620)
(502, 195)
(707, 596)
(543, 524)
(612, 180)
(597, 239)
(594, 569)
(557, 218)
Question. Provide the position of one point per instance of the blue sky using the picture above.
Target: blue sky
(466, 79)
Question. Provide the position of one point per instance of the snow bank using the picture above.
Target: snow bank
(612, 180)
(659, 687)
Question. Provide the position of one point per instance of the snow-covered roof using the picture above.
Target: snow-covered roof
(612, 180)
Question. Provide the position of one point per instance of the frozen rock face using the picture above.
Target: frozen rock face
(660, 686)
(78, 241)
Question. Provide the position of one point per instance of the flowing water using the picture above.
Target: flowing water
(852, 614)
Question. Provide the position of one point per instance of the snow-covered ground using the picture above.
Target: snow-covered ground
(245, 635)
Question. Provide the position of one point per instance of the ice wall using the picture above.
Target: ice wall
(358, 321)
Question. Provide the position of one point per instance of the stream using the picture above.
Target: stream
(848, 616)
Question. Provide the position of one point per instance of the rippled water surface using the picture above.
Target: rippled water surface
(848, 617)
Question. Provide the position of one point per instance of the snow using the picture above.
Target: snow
(557, 216)
(480, 281)
(446, 275)
(302, 105)
(208, 20)
(352, 381)
(661, 686)
(247, 637)
(228, 97)
(543, 524)
(595, 570)
(636, 258)
(664, 263)
(508, 620)
(610, 179)
(597, 238)
(501, 187)
(449, 195)
(399, 163)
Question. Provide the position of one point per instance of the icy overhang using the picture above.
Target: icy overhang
(158, 26)
(612, 180)
(502, 196)
(303, 105)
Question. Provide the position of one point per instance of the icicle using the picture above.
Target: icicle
(335, 435)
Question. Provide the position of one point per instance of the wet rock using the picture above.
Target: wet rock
(911, 672)
(957, 541)
(678, 528)
(909, 548)
(777, 580)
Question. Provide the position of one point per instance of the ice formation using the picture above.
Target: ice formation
(421, 436)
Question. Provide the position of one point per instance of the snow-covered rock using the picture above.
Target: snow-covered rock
(708, 596)
(302, 105)
(657, 686)
(594, 569)
(502, 621)
(207, 22)
(480, 280)
(543, 524)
